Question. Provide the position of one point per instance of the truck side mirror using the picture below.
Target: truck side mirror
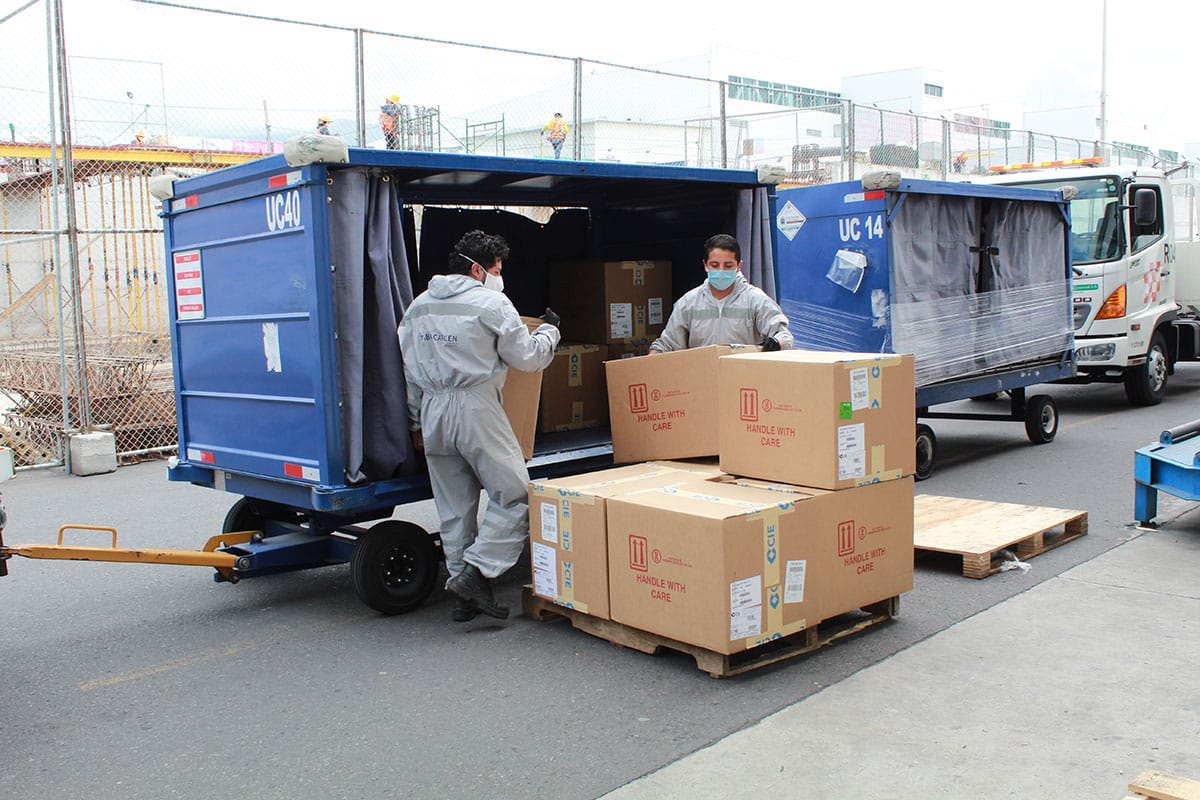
(1145, 207)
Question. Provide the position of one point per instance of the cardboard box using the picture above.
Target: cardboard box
(520, 397)
(729, 567)
(640, 347)
(823, 419)
(614, 302)
(665, 406)
(573, 391)
(568, 530)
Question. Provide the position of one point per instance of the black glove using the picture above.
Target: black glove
(550, 318)
(769, 345)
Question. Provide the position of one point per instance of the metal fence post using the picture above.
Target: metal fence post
(946, 147)
(724, 125)
(360, 89)
(577, 112)
(848, 144)
(64, 104)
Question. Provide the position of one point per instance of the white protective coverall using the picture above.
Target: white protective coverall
(745, 316)
(458, 340)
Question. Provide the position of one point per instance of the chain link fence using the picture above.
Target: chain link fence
(139, 88)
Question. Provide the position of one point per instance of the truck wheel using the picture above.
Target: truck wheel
(926, 451)
(395, 567)
(1041, 419)
(1146, 384)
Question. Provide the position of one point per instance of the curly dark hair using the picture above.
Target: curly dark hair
(478, 247)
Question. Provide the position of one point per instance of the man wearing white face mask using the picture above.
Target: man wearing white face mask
(725, 309)
(458, 339)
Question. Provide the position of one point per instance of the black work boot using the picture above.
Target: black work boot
(472, 586)
(464, 610)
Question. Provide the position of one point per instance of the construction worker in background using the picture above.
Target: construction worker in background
(725, 309)
(960, 162)
(458, 340)
(389, 122)
(556, 131)
(139, 138)
(323, 126)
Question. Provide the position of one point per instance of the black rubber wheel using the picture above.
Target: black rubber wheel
(242, 517)
(1041, 419)
(926, 451)
(395, 567)
(1146, 384)
(245, 515)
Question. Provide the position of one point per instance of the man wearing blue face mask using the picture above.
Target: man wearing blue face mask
(725, 309)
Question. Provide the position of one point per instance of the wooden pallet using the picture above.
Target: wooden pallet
(979, 530)
(1161, 786)
(717, 665)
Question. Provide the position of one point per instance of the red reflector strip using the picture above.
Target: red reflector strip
(286, 179)
(876, 195)
(293, 470)
(191, 201)
(206, 456)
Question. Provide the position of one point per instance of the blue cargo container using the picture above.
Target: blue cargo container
(287, 282)
(974, 280)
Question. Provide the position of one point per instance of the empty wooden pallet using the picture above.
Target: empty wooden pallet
(1154, 785)
(981, 530)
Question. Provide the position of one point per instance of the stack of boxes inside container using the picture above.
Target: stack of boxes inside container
(805, 513)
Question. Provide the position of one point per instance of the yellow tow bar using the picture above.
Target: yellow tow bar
(206, 557)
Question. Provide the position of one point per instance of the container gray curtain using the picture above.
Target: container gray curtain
(372, 289)
(754, 235)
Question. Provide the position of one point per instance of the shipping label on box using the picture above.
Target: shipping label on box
(613, 302)
(573, 389)
(829, 420)
(729, 567)
(569, 535)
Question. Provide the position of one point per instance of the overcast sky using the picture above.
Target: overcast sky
(997, 60)
(1010, 56)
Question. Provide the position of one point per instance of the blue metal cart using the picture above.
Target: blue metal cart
(974, 280)
(282, 279)
(1171, 465)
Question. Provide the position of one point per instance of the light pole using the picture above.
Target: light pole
(131, 122)
(1104, 81)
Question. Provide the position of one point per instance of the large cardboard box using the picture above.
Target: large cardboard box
(665, 406)
(823, 419)
(729, 567)
(568, 529)
(573, 391)
(520, 397)
(614, 302)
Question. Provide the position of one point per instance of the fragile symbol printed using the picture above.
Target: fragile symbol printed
(638, 402)
(749, 405)
(845, 532)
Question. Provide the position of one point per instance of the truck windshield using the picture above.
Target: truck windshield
(1096, 230)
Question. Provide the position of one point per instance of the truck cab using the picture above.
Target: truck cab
(1128, 251)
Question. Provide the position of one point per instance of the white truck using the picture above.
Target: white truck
(1135, 256)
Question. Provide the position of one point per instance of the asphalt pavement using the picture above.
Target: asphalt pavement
(138, 681)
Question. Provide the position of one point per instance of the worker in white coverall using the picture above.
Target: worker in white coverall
(458, 340)
(725, 309)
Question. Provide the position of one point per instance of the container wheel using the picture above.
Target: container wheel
(395, 567)
(926, 451)
(1041, 419)
(1146, 383)
(245, 515)
(242, 517)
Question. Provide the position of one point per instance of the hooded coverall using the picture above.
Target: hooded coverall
(458, 340)
(745, 316)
